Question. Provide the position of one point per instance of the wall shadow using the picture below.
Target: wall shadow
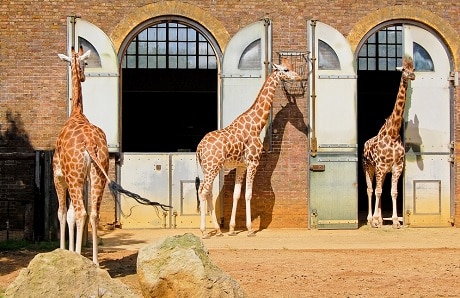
(263, 198)
(17, 174)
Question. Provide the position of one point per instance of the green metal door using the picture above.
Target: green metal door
(333, 189)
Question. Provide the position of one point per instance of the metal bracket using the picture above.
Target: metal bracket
(453, 77)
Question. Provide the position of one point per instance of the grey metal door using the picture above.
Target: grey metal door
(333, 192)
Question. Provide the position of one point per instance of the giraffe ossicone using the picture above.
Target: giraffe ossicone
(384, 153)
(238, 146)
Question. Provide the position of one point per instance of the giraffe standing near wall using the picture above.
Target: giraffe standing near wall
(385, 153)
(238, 146)
(81, 153)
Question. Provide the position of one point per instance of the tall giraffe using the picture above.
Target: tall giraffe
(79, 145)
(81, 154)
(385, 152)
(238, 146)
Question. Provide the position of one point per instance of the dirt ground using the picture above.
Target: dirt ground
(409, 262)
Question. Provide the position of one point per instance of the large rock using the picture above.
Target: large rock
(179, 266)
(62, 273)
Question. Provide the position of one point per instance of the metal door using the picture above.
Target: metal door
(333, 191)
(100, 90)
(148, 176)
(428, 167)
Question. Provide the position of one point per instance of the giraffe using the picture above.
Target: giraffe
(385, 152)
(238, 146)
(81, 154)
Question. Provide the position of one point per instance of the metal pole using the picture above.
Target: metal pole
(313, 141)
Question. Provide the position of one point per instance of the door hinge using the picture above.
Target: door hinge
(453, 77)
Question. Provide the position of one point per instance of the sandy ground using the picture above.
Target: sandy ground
(409, 262)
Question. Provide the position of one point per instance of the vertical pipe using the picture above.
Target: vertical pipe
(313, 141)
(267, 73)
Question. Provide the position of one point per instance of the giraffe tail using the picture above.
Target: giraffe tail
(117, 188)
(197, 186)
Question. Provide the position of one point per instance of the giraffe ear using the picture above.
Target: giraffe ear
(85, 55)
(64, 57)
(276, 66)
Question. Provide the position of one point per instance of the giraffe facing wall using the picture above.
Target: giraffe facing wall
(238, 146)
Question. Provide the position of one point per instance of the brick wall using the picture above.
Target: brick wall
(34, 89)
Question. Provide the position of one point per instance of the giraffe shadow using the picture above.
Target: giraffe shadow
(413, 140)
(263, 199)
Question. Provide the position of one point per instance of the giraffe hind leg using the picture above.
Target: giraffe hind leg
(206, 201)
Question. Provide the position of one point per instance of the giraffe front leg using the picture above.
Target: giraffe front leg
(248, 196)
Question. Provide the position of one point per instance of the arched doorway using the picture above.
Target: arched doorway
(169, 86)
(424, 190)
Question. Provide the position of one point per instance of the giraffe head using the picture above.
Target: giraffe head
(285, 70)
(407, 69)
(77, 60)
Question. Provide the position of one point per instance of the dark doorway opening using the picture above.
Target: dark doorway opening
(377, 91)
(167, 110)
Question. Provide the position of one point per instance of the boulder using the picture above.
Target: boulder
(179, 266)
(62, 273)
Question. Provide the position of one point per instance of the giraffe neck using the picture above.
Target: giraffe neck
(260, 109)
(395, 120)
(77, 99)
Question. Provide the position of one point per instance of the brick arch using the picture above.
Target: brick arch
(442, 27)
(162, 8)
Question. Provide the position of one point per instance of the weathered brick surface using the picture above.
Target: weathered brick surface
(33, 85)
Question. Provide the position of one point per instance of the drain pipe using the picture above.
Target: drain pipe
(267, 61)
(313, 141)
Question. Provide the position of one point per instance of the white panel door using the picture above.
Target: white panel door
(427, 179)
(333, 191)
(100, 90)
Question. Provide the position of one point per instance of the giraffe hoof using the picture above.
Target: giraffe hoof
(220, 234)
(251, 234)
(232, 233)
(206, 236)
(396, 225)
